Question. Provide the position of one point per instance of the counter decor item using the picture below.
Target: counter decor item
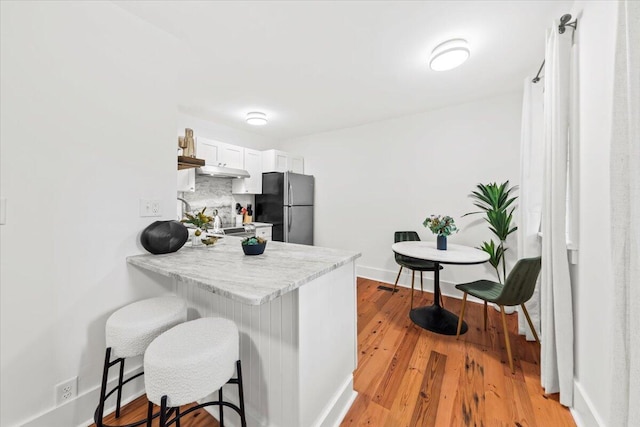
(187, 143)
(495, 202)
(210, 240)
(443, 226)
(254, 245)
(163, 237)
(201, 221)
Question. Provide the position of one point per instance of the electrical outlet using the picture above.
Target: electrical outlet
(66, 391)
(150, 207)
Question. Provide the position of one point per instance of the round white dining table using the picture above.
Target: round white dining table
(434, 317)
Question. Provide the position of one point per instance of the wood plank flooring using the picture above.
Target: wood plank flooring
(137, 410)
(410, 377)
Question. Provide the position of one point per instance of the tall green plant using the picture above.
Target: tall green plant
(495, 202)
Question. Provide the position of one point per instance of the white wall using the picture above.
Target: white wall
(381, 177)
(88, 120)
(218, 132)
(595, 38)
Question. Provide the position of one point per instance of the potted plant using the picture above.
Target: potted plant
(495, 202)
(200, 220)
(443, 226)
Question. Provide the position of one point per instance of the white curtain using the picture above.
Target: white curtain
(625, 217)
(556, 301)
(530, 198)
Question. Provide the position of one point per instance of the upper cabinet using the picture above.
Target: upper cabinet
(253, 165)
(216, 153)
(281, 161)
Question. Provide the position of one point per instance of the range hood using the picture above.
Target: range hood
(223, 172)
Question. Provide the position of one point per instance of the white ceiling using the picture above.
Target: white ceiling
(325, 65)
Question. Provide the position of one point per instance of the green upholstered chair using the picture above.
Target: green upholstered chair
(517, 290)
(412, 264)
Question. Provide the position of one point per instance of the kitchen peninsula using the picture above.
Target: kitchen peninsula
(295, 307)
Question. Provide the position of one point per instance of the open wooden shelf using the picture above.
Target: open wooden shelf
(189, 162)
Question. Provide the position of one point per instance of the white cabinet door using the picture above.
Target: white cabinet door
(232, 156)
(187, 180)
(264, 232)
(280, 161)
(253, 165)
(296, 164)
(210, 151)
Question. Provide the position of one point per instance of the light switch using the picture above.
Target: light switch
(3, 211)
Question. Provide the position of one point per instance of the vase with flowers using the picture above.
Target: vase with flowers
(442, 226)
(200, 221)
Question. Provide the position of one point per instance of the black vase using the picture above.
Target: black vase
(163, 237)
(442, 242)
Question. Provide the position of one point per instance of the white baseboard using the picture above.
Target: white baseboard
(79, 411)
(337, 409)
(583, 411)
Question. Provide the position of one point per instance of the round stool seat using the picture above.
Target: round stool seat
(130, 330)
(191, 360)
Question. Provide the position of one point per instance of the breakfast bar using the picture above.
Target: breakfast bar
(295, 307)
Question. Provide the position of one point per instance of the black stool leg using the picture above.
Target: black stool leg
(178, 417)
(120, 378)
(243, 418)
(221, 406)
(163, 412)
(149, 414)
(103, 388)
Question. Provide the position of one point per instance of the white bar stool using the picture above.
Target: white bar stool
(189, 362)
(129, 331)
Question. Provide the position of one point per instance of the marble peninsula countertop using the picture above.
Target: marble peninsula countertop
(224, 269)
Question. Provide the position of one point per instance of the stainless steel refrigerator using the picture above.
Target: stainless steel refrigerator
(287, 203)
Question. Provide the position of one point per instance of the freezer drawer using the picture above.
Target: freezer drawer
(298, 224)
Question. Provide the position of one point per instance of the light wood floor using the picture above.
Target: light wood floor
(408, 376)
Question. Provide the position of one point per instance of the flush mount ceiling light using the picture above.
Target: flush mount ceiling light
(256, 118)
(449, 55)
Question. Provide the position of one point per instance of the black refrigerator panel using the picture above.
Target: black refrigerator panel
(269, 204)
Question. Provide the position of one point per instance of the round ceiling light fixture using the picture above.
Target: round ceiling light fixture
(449, 55)
(257, 118)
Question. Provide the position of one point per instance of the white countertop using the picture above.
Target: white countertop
(454, 254)
(224, 269)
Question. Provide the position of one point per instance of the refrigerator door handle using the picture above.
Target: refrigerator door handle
(290, 218)
(290, 194)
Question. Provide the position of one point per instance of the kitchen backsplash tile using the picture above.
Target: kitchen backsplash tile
(215, 193)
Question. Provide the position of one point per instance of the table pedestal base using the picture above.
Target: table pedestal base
(436, 319)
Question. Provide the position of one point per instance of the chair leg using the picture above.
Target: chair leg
(149, 414)
(395, 285)
(421, 285)
(103, 388)
(221, 407)
(119, 397)
(506, 338)
(413, 278)
(485, 315)
(163, 412)
(243, 417)
(177, 416)
(533, 330)
(460, 319)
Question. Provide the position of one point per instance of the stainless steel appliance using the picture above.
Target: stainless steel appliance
(247, 230)
(287, 203)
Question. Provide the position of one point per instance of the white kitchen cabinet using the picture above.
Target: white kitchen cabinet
(216, 153)
(253, 165)
(281, 161)
(187, 180)
(232, 156)
(264, 232)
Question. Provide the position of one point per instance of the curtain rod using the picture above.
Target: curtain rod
(564, 23)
